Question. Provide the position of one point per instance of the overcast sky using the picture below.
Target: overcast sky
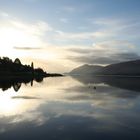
(62, 34)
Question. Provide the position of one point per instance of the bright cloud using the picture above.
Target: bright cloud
(14, 32)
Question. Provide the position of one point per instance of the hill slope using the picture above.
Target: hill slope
(123, 68)
(86, 69)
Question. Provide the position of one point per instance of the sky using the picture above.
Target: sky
(60, 35)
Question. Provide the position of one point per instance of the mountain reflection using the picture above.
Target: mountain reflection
(63, 108)
(8, 82)
(127, 83)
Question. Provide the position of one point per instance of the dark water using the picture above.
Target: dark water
(72, 108)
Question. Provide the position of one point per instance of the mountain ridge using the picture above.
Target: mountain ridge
(121, 68)
(86, 69)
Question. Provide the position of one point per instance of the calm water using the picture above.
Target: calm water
(72, 108)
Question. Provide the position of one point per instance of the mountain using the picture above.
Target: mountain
(123, 68)
(86, 69)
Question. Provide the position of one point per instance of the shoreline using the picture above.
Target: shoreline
(96, 75)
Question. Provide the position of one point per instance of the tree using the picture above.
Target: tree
(7, 59)
(32, 65)
(17, 61)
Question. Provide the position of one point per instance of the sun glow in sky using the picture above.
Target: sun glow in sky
(60, 35)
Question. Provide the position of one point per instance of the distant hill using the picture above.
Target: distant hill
(123, 68)
(86, 69)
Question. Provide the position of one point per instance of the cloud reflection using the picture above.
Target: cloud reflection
(70, 106)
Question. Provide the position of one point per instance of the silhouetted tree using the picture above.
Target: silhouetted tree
(17, 61)
(7, 59)
(39, 71)
(32, 65)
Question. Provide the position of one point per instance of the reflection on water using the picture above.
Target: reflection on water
(130, 83)
(16, 82)
(72, 108)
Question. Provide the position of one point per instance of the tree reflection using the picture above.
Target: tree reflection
(14, 73)
(17, 86)
(16, 83)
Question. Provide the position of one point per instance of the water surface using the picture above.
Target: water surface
(72, 108)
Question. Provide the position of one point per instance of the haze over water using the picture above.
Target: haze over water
(66, 108)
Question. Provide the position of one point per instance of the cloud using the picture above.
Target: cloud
(15, 32)
(81, 35)
(93, 60)
(104, 30)
(103, 58)
(81, 50)
(4, 14)
(25, 97)
(39, 28)
(126, 28)
(116, 44)
(104, 53)
(26, 48)
(69, 9)
(108, 29)
(127, 56)
(64, 20)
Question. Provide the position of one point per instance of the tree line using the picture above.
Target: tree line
(9, 66)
